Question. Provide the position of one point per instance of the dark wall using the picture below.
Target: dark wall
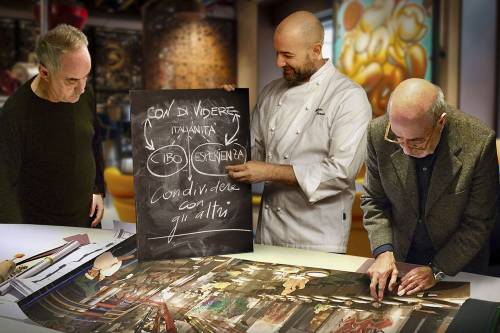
(278, 10)
(478, 59)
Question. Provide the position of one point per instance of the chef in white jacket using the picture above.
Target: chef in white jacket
(308, 142)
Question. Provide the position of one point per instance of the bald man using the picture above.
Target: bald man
(308, 142)
(430, 189)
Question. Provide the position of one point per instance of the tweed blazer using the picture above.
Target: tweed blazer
(461, 202)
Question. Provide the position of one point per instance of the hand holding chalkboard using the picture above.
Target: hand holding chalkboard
(229, 87)
(186, 203)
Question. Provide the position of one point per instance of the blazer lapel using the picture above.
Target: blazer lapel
(406, 172)
(445, 168)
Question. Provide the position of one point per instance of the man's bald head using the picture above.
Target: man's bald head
(298, 41)
(416, 116)
(416, 99)
(303, 27)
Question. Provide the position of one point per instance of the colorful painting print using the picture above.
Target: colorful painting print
(116, 293)
(379, 43)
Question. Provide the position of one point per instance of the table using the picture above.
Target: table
(32, 239)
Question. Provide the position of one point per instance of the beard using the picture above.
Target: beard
(299, 75)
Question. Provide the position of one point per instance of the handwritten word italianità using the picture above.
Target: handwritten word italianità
(194, 129)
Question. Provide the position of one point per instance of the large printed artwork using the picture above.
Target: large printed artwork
(379, 43)
(116, 293)
(185, 51)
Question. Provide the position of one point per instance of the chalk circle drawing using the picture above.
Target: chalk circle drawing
(211, 158)
(167, 161)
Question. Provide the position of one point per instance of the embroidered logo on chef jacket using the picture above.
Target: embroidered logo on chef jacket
(319, 112)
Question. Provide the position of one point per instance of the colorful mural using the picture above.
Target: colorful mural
(379, 43)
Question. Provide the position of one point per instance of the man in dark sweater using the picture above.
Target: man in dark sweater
(431, 187)
(50, 152)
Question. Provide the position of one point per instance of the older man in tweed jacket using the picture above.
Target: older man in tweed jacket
(430, 190)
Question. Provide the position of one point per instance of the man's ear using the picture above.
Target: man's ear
(44, 72)
(317, 51)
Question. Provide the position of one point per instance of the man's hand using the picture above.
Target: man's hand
(228, 86)
(250, 172)
(382, 269)
(418, 279)
(96, 208)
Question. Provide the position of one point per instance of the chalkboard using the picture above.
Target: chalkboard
(186, 204)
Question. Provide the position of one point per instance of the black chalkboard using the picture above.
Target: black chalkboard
(186, 204)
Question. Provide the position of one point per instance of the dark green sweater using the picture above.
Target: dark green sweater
(50, 159)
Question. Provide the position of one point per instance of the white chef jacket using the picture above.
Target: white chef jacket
(318, 127)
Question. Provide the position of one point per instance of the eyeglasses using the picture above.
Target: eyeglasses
(418, 144)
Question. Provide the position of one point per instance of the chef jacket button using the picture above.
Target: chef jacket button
(267, 206)
(286, 156)
(298, 132)
(272, 129)
(278, 209)
(307, 107)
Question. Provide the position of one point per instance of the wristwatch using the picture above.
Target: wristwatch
(438, 274)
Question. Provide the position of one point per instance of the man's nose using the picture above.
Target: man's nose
(81, 86)
(404, 145)
(280, 61)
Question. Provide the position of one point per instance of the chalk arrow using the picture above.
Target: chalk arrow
(190, 175)
(233, 138)
(149, 144)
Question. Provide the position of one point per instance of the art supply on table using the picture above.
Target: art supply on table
(83, 239)
(40, 255)
(74, 261)
(40, 266)
(49, 260)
